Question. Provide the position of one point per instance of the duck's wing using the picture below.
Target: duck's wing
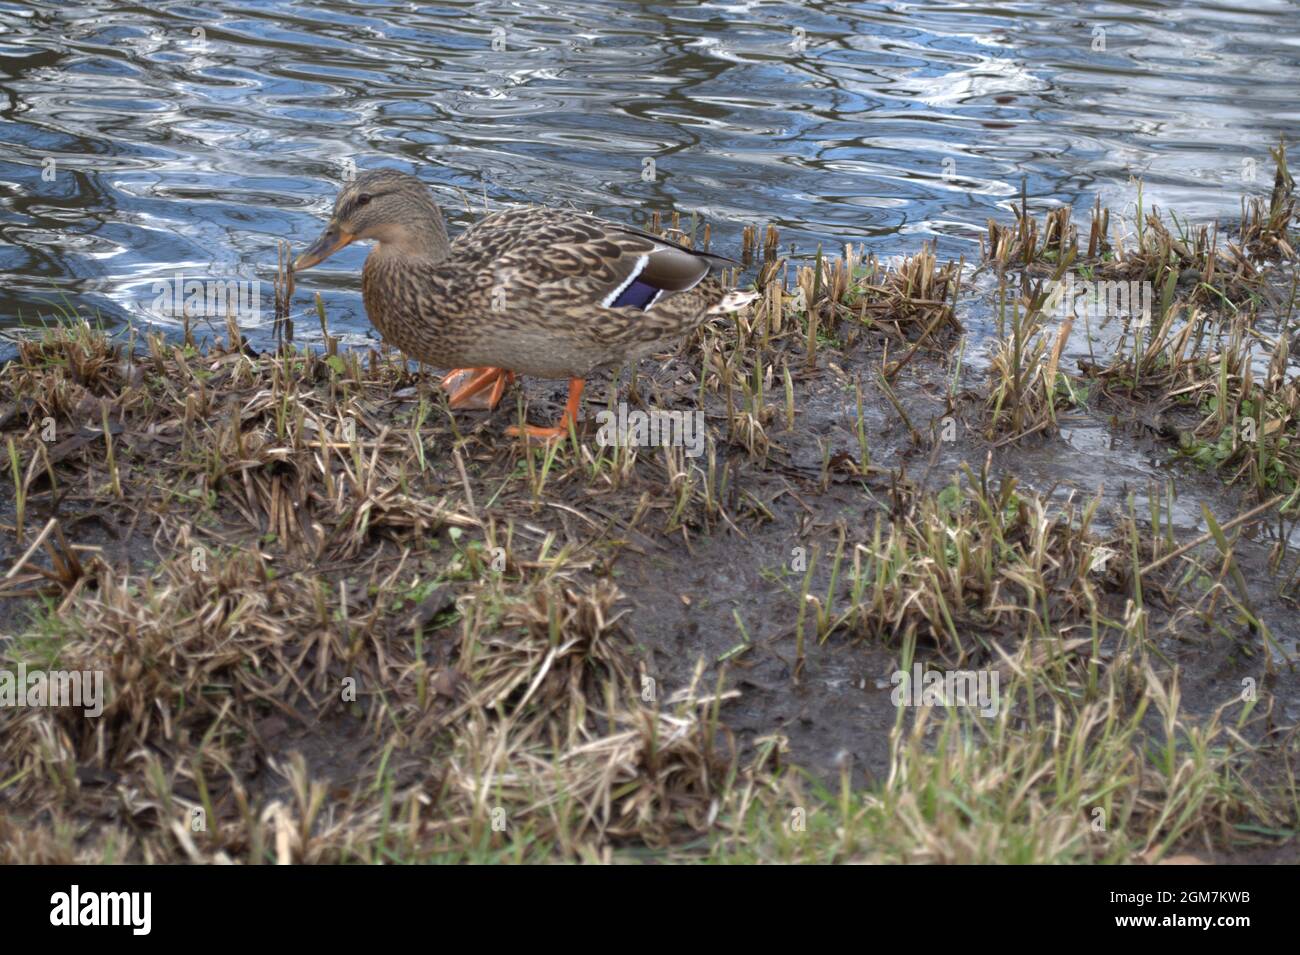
(553, 256)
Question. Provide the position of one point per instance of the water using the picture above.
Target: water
(141, 142)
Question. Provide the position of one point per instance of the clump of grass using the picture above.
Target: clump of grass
(915, 298)
(964, 788)
(972, 566)
(833, 299)
(1200, 376)
(1266, 226)
(753, 360)
(1250, 425)
(1211, 268)
(1166, 359)
(1026, 380)
(1028, 245)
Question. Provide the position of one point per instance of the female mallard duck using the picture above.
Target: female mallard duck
(543, 292)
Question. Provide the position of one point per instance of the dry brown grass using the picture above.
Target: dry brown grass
(338, 623)
(1212, 268)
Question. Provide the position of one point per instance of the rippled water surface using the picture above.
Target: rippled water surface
(141, 141)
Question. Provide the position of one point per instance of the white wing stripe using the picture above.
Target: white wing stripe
(637, 269)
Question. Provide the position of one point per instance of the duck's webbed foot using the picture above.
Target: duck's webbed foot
(561, 428)
(478, 389)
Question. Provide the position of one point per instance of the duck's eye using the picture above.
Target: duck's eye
(362, 200)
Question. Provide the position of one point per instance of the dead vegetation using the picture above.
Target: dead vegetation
(1207, 266)
(338, 623)
(975, 566)
(1205, 353)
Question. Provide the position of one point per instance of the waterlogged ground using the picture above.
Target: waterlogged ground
(707, 595)
(732, 589)
(214, 132)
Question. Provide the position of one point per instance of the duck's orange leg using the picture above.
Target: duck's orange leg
(561, 428)
(465, 386)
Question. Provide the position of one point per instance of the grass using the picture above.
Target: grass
(340, 623)
(1225, 270)
(1211, 364)
(1072, 783)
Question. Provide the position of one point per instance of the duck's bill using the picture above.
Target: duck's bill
(329, 242)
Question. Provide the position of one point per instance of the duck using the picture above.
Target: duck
(539, 291)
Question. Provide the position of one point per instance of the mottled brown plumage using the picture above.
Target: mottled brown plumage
(535, 291)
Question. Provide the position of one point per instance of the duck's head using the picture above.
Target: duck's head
(390, 207)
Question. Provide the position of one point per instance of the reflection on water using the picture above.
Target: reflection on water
(140, 143)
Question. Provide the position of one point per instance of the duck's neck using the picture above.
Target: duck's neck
(401, 285)
(423, 237)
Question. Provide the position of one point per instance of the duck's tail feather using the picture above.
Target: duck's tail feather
(734, 300)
